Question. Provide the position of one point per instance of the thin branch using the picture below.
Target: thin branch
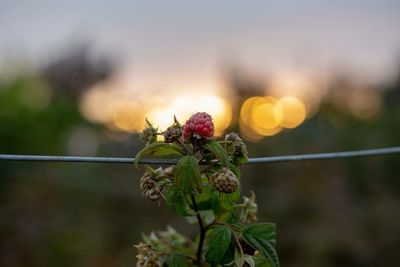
(238, 245)
(202, 230)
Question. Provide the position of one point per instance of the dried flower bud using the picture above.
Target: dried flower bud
(172, 134)
(237, 143)
(145, 250)
(173, 235)
(146, 256)
(150, 188)
(239, 148)
(249, 208)
(149, 133)
(169, 171)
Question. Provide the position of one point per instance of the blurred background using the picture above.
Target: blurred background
(79, 78)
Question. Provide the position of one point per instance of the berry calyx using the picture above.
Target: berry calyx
(199, 124)
(173, 132)
(149, 134)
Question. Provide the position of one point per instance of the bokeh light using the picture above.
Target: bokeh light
(126, 116)
(265, 113)
(300, 87)
(161, 118)
(364, 104)
(262, 116)
(292, 110)
(103, 105)
(217, 107)
(95, 105)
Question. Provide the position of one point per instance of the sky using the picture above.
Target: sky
(182, 44)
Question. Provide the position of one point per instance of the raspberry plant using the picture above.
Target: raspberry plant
(203, 187)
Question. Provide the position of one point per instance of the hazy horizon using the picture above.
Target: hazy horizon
(179, 44)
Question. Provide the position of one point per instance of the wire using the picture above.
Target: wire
(320, 156)
(333, 155)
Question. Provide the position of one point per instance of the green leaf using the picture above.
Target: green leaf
(220, 240)
(187, 175)
(208, 217)
(208, 200)
(219, 152)
(177, 260)
(242, 159)
(176, 201)
(228, 201)
(230, 254)
(234, 169)
(262, 237)
(262, 261)
(228, 217)
(158, 149)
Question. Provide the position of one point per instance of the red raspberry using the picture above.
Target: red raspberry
(201, 124)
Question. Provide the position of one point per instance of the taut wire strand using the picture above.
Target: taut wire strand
(258, 160)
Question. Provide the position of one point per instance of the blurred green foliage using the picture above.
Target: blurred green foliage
(328, 213)
(33, 121)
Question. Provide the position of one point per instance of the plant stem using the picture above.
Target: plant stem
(182, 146)
(239, 246)
(202, 230)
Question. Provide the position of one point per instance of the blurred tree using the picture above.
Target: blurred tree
(75, 70)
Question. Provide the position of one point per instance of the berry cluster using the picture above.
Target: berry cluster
(200, 124)
(224, 181)
(202, 185)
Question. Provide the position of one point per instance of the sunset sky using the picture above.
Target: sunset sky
(174, 43)
(178, 49)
